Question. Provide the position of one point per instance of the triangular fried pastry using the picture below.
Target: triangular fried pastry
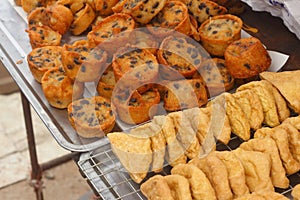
(217, 174)
(179, 186)
(267, 100)
(133, 152)
(288, 83)
(280, 136)
(268, 145)
(257, 167)
(294, 139)
(236, 173)
(251, 105)
(239, 123)
(158, 143)
(156, 188)
(186, 134)
(199, 183)
(175, 152)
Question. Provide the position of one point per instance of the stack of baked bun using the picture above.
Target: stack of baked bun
(185, 140)
(138, 54)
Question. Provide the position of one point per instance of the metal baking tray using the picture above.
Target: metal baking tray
(14, 47)
(110, 180)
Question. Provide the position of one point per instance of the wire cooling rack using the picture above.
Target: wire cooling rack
(110, 181)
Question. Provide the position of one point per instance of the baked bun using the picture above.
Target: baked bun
(204, 9)
(104, 7)
(74, 5)
(136, 67)
(142, 11)
(42, 59)
(82, 63)
(41, 36)
(106, 83)
(29, 5)
(187, 93)
(59, 89)
(246, 58)
(179, 58)
(91, 117)
(173, 17)
(216, 76)
(218, 32)
(82, 20)
(57, 17)
(138, 108)
(108, 30)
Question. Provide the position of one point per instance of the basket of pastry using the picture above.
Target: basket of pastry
(171, 71)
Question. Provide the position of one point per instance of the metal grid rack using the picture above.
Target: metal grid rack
(110, 180)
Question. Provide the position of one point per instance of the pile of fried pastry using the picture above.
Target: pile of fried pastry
(186, 140)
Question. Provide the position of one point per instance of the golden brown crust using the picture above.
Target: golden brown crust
(29, 5)
(204, 9)
(59, 89)
(218, 32)
(296, 192)
(173, 17)
(104, 7)
(42, 59)
(106, 83)
(182, 94)
(180, 59)
(216, 76)
(246, 58)
(82, 20)
(91, 117)
(41, 36)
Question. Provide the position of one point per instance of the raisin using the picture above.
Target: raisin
(76, 61)
(197, 85)
(155, 5)
(248, 66)
(176, 85)
(84, 102)
(197, 61)
(202, 6)
(83, 68)
(60, 78)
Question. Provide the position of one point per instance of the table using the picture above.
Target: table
(14, 48)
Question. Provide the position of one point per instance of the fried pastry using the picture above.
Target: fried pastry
(282, 108)
(296, 192)
(186, 134)
(267, 99)
(156, 188)
(270, 195)
(294, 139)
(238, 121)
(199, 183)
(268, 145)
(236, 173)
(175, 152)
(158, 143)
(252, 107)
(129, 148)
(287, 83)
(217, 174)
(257, 167)
(251, 196)
(295, 121)
(280, 136)
(179, 186)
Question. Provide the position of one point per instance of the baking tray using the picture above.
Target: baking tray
(14, 47)
(110, 180)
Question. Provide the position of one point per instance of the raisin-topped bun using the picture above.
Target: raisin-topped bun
(136, 67)
(108, 32)
(59, 89)
(179, 58)
(106, 83)
(59, 18)
(42, 59)
(29, 5)
(204, 9)
(216, 76)
(82, 63)
(218, 32)
(82, 20)
(142, 11)
(138, 108)
(37, 17)
(104, 7)
(74, 5)
(91, 117)
(41, 36)
(174, 16)
(246, 58)
(187, 93)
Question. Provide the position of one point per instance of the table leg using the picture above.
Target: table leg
(36, 171)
